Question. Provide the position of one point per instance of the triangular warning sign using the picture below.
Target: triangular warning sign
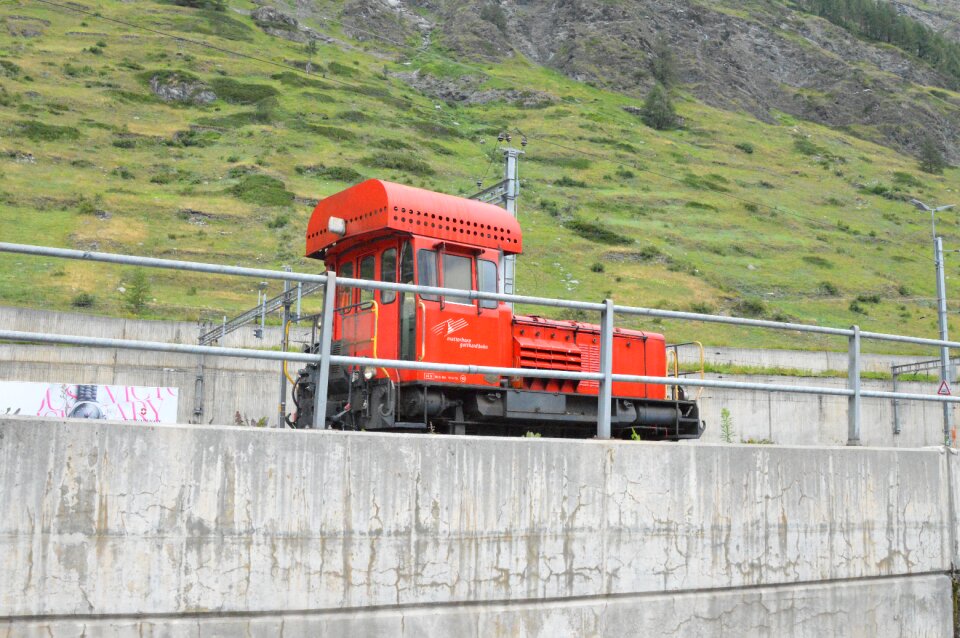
(944, 390)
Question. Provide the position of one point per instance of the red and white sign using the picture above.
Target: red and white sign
(115, 402)
(944, 390)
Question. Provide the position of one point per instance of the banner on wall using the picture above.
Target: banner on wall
(115, 402)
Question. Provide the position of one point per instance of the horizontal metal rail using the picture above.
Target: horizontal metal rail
(280, 275)
(607, 310)
(179, 348)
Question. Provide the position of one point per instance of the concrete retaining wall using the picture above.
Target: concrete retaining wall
(217, 530)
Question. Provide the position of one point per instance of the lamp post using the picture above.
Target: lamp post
(941, 305)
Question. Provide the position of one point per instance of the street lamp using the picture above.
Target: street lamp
(941, 305)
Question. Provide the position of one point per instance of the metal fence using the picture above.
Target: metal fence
(607, 311)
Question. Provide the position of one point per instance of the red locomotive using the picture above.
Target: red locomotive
(382, 231)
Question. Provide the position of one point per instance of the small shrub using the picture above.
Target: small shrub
(873, 299)
(391, 144)
(752, 308)
(236, 92)
(750, 207)
(625, 173)
(298, 79)
(857, 308)
(340, 69)
(335, 173)
(83, 300)
(597, 267)
(125, 142)
(40, 132)
(332, 132)
(550, 207)
(702, 307)
(726, 426)
(90, 206)
(567, 181)
(903, 291)
(278, 222)
(816, 260)
(906, 179)
(828, 288)
(746, 147)
(400, 162)
(123, 173)
(262, 190)
(701, 206)
(9, 69)
(353, 116)
(597, 232)
(712, 182)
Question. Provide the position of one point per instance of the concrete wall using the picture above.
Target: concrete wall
(163, 530)
(806, 419)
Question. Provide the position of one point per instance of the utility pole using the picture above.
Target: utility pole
(512, 191)
(941, 309)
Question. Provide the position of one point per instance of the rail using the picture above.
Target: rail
(604, 376)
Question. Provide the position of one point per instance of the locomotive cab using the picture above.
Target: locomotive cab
(388, 232)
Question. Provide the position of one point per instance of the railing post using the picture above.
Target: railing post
(606, 369)
(853, 382)
(895, 374)
(323, 366)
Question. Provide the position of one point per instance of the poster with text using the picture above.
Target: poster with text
(115, 402)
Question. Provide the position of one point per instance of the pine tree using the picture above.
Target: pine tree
(658, 110)
(663, 66)
(931, 158)
(137, 292)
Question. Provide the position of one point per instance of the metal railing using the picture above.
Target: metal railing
(607, 310)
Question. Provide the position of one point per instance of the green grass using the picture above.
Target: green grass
(678, 219)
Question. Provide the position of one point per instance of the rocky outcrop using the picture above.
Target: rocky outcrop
(469, 89)
(762, 58)
(177, 87)
(281, 25)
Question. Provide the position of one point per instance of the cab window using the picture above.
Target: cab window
(345, 293)
(427, 272)
(367, 267)
(487, 280)
(388, 272)
(457, 273)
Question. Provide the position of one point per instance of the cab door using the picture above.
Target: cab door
(456, 329)
(357, 309)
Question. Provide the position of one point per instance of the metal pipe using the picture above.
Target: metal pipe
(605, 395)
(284, 321)
(154, 346)
(942, 320)
(470, 294)
(895, 375)
(853, 382)
(326, 341)
(151, 262)
(101, 342)
(736, 321)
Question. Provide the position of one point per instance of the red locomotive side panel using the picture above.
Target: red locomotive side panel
(570, 345)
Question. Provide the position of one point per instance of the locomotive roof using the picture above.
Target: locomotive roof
(376, 205)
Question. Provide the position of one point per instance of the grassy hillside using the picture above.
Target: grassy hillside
(788, 221)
